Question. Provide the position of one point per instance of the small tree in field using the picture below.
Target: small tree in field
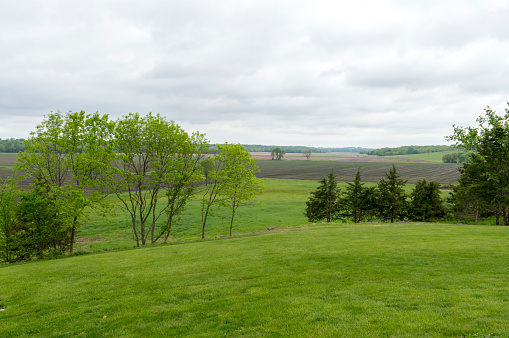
(307, 152)
(325, 202)
(277, 153)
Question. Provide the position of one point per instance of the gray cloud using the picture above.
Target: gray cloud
(321, 73)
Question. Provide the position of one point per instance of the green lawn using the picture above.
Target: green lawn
(367, 280)
(282, 204)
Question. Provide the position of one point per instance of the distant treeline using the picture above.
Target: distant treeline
(12, 145)
(299, 149)
(408, 150)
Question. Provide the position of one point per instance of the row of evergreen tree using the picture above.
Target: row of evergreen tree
(386, 201)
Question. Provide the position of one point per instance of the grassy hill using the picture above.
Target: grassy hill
(367, 280)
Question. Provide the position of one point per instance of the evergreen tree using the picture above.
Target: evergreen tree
(426, 204)
(354, 199)
(325, 202)
(392, 198)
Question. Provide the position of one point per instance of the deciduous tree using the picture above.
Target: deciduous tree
(69, 155)
(490, 143)
(277, 153)
(233, 181)
(307, 152)
(156, 158)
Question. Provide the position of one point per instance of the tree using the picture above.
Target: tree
(392, 198)
(354, 198)
(9, 200)
(425, 202)
(475, 193)
(68, 157)
(238, 170)
(207, 165)
(450, 158)
(490, 143)
(278, 153)
(156, 158)
(307, 152)
(325, 202)
(233, 181)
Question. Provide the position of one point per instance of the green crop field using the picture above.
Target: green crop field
(445, 173)
(7, 161)
(433, 157)
(368, 280)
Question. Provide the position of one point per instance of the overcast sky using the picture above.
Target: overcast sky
(366, 73)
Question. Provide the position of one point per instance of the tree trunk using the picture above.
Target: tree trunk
(498, 218)
(476, 215)
(506, 220)
(203, 225)
(231, 221)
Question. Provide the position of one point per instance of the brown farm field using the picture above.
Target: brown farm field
(371, 171)
(344, 165)
(337, 157)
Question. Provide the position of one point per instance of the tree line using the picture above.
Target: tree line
(408, 150)
(387, 201)
(12, 145)
(73, 161)
(482, 189)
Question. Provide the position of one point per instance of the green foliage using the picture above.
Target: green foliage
(9, 195)
(307, 152)
(233, 182)
(456, 158)
(360, 202)
(33, 224)
(408, 150)
(155, 156)
(277, 153)
(392, 199)
(486, 183)
(68, 157)
(325, 202)
(12, 145)
(354, 199)
(426, 203)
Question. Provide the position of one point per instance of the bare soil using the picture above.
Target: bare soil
(335, 157)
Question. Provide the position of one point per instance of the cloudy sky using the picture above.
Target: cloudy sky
(366, 73)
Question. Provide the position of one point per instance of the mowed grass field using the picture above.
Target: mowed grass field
(445, 173)
(368, 280)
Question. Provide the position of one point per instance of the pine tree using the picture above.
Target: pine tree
(354, 200)
(325, 202)
(392, 200)
(426, 203)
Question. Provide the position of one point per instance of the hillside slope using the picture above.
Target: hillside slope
(318, 280)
